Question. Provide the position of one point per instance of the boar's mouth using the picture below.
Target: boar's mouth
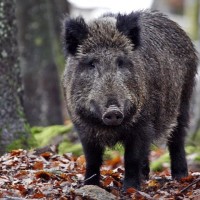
(112, 116)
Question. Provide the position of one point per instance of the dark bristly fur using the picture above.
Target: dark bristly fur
(129, 79)
(76, 32)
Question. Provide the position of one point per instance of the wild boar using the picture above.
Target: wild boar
(129, 80)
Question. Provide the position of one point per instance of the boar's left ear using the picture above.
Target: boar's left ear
(75, 31)
(129, 26)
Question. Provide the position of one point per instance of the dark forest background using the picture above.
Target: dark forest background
(31, 64)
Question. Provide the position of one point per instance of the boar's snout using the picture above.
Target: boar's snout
(113, 116)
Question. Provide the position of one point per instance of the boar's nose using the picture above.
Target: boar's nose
(113, 116)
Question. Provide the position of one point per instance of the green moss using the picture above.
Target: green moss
(37, 129)
(38, 41)
(195, 151)
(77, 149)
(16, 144)
(43, 135)
(59, 57)
(31, 141)
(190, 149)
(113, 151)
(22, 142)
(67, 146)
(194, 139)
(197, 138)
(25, 139)
(157, 165)
(197, 158)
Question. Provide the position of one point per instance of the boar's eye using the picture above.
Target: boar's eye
(89, 63)
(123, 62)
(120, 62)
(92, 64)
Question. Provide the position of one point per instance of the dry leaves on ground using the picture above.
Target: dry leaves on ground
(50, 176)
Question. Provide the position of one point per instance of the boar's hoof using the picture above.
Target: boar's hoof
(131, 185)
(178, 175)
(113, 116)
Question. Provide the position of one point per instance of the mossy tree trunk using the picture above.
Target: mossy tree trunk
(13, 132)
(42, 99)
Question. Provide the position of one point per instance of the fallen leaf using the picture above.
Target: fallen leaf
(38, 195)
(43, 175)
(188, 179)
(131, 190)
(16, 152)
(81, 161)
(153, 183)
(108, 181)
(114, 161)
(46, 155)
(38, 165)
(22, 189)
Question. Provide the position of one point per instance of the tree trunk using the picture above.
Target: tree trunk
(192, 13)
(13, 133)
(58, 9)
(42, 101)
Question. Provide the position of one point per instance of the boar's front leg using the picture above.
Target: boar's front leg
(136, 158)
(145, 168)
(93, 154)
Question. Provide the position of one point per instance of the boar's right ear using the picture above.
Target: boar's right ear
(129, 26)
(75, 31)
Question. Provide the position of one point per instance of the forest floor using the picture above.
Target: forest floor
(47, 175)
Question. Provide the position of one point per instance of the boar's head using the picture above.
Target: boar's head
(104, 80)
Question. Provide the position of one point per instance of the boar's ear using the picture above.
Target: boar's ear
(75, 31)
(129, 26)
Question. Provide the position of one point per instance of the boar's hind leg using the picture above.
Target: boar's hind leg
(93, 155)
(176, 144)
(176, 141)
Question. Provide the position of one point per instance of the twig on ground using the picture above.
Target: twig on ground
(144, 194)
(90, 177)
(191, 184)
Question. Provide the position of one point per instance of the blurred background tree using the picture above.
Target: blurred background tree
(42, 61)
(39, 25)
(13, 130)
(187, 14)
